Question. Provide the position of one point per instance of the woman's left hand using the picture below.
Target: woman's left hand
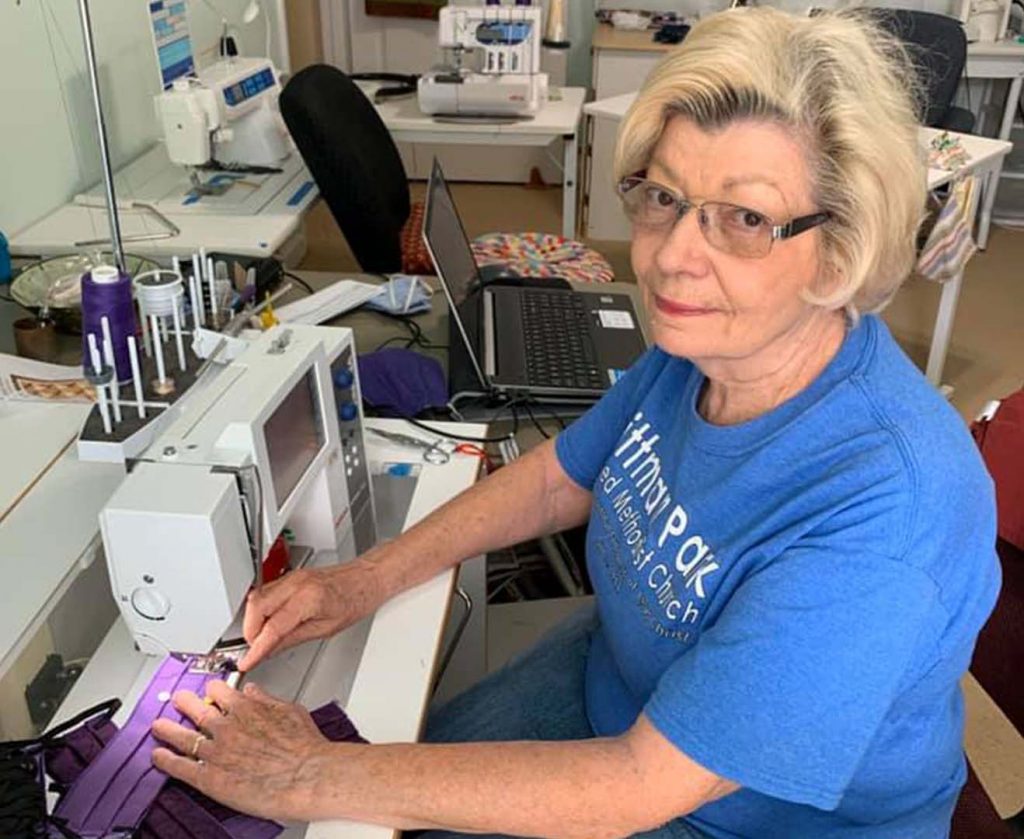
(252, 752)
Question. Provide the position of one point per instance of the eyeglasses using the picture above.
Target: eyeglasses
(732, 229)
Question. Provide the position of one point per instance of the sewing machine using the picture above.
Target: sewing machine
(508, 82)
(271, 445)
(227, 114)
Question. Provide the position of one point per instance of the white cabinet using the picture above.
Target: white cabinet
(622, 61)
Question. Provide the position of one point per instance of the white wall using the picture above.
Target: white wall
(48, 148)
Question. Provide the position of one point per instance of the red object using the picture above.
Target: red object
(277, 562)
(1001, 440)
(476, 451)
(999, 653)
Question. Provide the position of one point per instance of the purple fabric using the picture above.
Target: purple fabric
(402, 382)
(335, 725)
(114, 793)
(178, 812)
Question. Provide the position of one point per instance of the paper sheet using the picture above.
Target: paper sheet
(23, 378)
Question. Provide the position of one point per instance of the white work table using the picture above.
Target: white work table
(256, 216)
(49, 508)
(999, 60)
(993, 61)
(381, 671)
(985, 161)
(558, 119)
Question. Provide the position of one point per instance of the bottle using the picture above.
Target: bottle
(556, 33)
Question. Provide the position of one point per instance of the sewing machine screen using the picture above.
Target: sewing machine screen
(295, 435)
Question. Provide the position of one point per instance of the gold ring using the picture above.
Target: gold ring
(200, 738)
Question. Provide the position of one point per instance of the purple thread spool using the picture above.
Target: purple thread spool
(106, 292)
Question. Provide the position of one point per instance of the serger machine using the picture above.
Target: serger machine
(508, 81)
(269, 444)
(228, 114)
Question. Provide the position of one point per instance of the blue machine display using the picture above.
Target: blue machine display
(173, 41)
(249, 87)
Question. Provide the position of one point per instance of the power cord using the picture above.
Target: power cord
(551, 412)
(466, 438)
(416, 336)
(536, 424)
(296, 279)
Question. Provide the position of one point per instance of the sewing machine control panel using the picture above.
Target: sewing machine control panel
(357, 473)
(245, 89)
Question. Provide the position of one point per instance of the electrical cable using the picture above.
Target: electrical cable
(536, 424)
(299, 280)
(422, 425)
(551, 412)
(416, 337)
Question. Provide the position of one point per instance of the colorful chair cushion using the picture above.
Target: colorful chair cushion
(415, 258)
(543, 255)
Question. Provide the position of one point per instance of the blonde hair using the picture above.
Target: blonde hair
(847, 89)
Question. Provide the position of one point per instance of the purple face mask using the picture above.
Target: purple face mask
(402, 382)
(117, 791)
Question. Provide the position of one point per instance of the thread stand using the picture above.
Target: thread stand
(156, 403)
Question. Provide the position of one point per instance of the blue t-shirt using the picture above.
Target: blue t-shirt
(792, 600)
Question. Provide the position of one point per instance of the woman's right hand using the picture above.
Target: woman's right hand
(304, 605)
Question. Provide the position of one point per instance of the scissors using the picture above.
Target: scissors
(435, 452)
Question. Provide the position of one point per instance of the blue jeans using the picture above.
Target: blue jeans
(536, 696)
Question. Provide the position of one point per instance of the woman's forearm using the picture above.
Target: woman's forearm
(587, 789)
(530, 497)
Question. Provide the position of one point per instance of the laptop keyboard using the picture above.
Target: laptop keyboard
(559, 349)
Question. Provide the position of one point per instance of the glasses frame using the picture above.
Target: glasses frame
(793, 227)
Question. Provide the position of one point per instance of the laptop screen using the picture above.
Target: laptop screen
(447, 240)
(453, 260)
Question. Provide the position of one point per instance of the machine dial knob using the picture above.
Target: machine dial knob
(343, 378)
(150, 603)
(348, 411)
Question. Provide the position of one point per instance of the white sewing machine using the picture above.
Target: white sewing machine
(272, 445)
(228, 114)
(508, 82)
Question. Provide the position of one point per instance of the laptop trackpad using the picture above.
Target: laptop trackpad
(508, 334)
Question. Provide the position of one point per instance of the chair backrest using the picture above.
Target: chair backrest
(938, 46)
(354, 161)
(999, 654)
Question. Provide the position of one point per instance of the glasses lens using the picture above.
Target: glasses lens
(737, 230)
(648, 204)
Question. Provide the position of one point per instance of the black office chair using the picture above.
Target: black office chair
(938, 46)
(356, 165)
(354, 161)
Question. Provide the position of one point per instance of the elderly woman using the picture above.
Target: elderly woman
(790, 533)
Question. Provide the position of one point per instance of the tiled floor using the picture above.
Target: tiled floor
(986, 360)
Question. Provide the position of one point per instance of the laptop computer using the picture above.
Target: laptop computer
(540, 341)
